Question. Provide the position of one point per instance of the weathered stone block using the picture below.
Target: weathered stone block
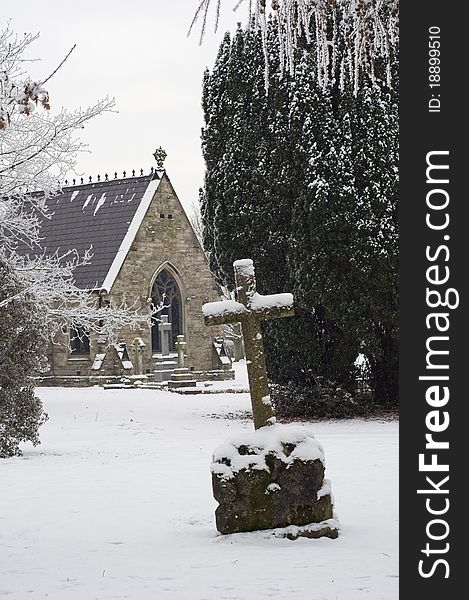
(271, 478)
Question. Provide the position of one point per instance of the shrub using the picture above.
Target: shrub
(21, 415)
(324, 399)
(22, 342)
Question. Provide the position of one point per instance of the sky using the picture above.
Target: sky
(137, 52)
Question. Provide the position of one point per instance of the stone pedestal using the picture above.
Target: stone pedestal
(181, 377)
(272, 478)
(164, 367)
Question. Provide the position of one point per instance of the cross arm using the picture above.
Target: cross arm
(272, 306)
(226, 311)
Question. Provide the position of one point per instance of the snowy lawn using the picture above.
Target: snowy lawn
(116, 503)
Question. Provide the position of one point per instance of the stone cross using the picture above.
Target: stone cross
(250, 309)
(180, 347)
(165, 331)
(138, 346)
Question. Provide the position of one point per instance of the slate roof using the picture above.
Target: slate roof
(104, 216)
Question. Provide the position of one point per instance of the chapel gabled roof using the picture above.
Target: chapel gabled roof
(104, 216)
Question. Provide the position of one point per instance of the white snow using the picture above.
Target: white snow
(100, 202)
(116, 503)
(245, 265)
(74, 195)
(260, 302)
(130, 235)
(98, 361)
(223, 308)
(272, 487)
(265, 441)
(87, 201)
(326, 488)
(294, 529)
(257, 302)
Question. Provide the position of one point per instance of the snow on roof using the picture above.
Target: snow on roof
(98, 362)
(267, 440)
(104, 216)
(130, 235)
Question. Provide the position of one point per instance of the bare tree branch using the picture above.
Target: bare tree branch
(37, 150)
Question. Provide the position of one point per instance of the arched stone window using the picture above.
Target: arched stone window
(166, 290)
(79, 340)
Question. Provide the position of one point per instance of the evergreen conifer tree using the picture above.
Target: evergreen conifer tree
(304, 181)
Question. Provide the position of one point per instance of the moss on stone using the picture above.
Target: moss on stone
(283, 494)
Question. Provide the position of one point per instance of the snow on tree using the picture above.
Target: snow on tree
(23, 335)
(254, 175)
(38, 148)
(304, 180)
(349, 36)
(345, 230)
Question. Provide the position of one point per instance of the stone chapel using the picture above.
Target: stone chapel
(144, 250)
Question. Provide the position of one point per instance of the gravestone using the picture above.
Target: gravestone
(273, 477)
(165, 364)
(164, 328)
(181, 348)
(138, 346)
(181, 376)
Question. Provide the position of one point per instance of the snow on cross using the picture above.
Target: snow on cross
(249, 310)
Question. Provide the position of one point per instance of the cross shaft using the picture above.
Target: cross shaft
(250, 309)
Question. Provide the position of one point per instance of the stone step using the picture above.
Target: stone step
(117, 386)
(166, 366)
(182, 376)
(164, 358)
(172, 385)
(182, 370)
(159, 376)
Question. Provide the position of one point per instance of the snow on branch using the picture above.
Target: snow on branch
(367, 30)
(49, 281)
(19, 93)
(37, 150)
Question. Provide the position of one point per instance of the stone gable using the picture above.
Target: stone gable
(166, 239)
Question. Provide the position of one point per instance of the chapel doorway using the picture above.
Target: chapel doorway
(166, 291)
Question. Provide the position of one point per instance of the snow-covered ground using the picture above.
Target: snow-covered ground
(116, 503)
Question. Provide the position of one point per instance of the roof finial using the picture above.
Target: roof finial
(160, 155)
